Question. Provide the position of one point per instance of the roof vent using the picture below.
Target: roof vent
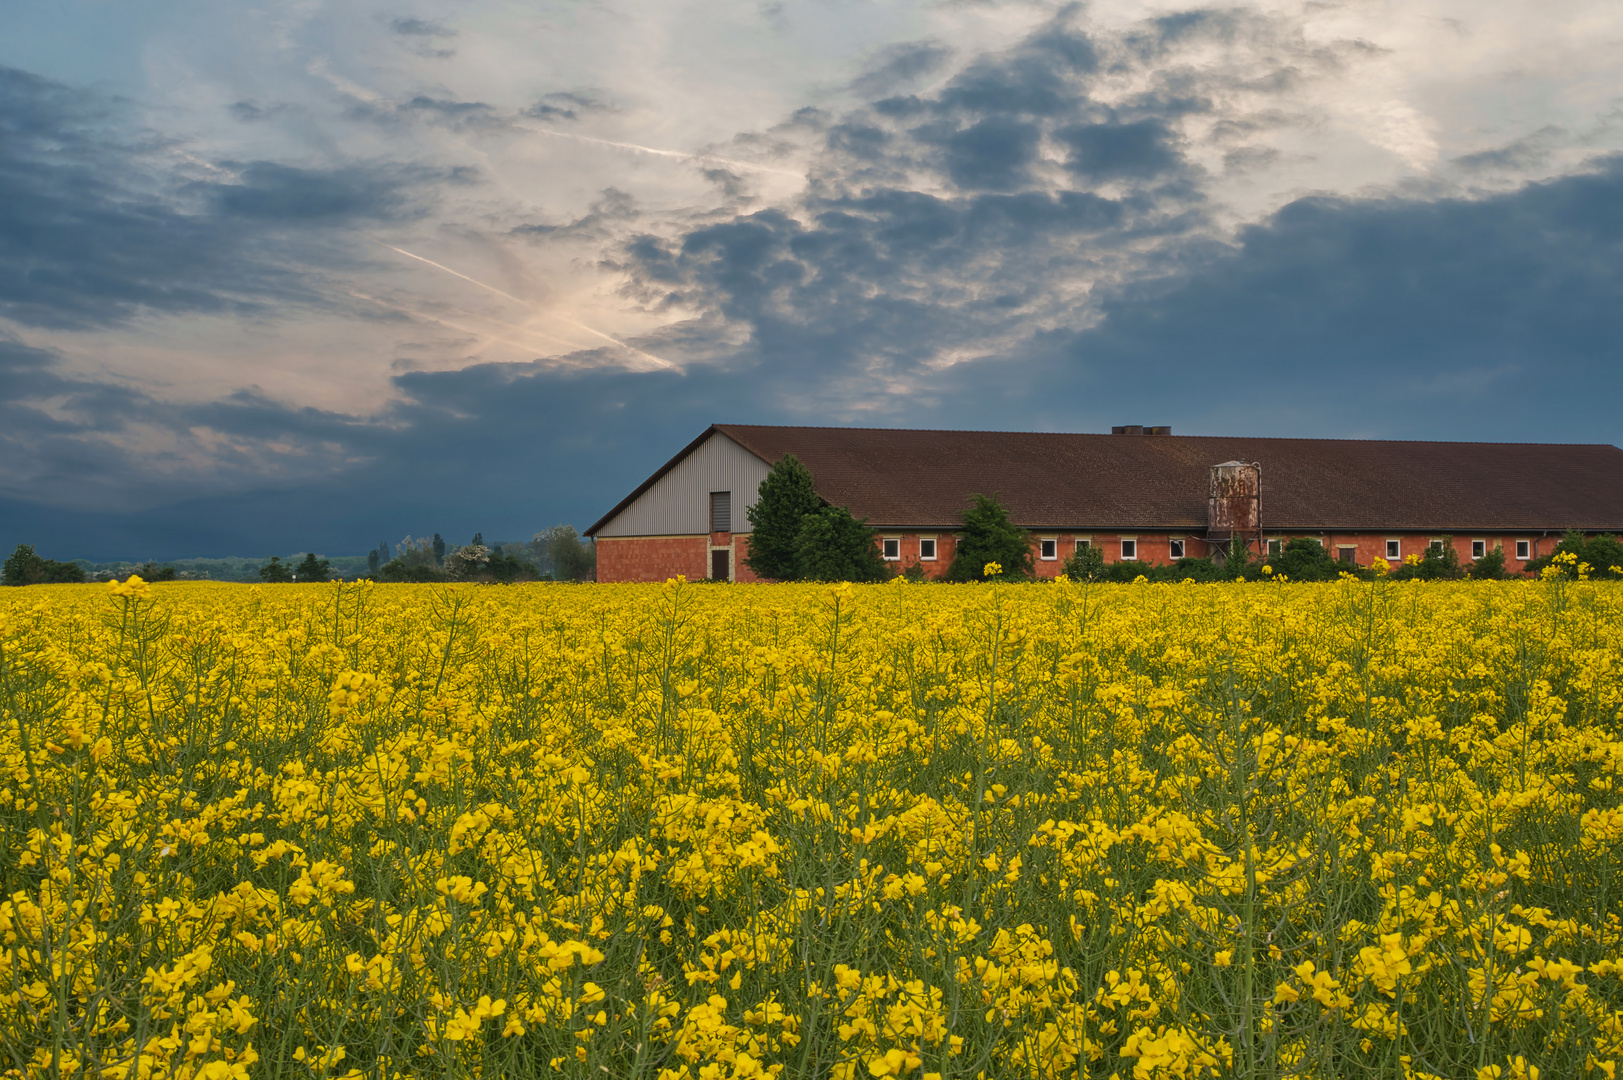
(1140, 429)
(1164, 429)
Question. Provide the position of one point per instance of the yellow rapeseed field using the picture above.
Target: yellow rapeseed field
(695, 831)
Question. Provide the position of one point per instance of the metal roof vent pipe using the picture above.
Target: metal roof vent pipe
(1234, 503)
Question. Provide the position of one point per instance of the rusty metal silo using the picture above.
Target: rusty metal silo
(1234, 502)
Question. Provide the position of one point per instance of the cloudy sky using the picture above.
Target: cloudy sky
(303, 274)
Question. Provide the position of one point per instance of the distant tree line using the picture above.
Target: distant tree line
(555, 554)
(25, 567)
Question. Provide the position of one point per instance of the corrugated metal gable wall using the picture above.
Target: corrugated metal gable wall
(679, 502)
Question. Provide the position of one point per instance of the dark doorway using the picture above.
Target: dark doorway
(718, 564)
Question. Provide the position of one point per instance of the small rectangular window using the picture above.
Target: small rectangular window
(1394, 549)
(1348, 555)
(1083, 542)
(1129, 550)
(1479, 548)
(1175, 549)
(721, 511)
(1436, 547)
(927, 549)
(1273, 547)
(1048, 547)
(891, 547)
(1523, 550)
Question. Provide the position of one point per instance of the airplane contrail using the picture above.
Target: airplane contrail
(650, 357)
(473, 331)
(681, 155)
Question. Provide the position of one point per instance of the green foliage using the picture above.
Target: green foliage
(989, 536)
(507, 568)
(1088, 564)
(372, 563)
(1491, 567)
(439, 550)
(1440, 563)
(400, 570)
(312, 569)
(562, 552)
(1303, 558)
(794, 537)
(25, 567)
(276, 571)
(1183, 570)
(153, 571)
(784, 499)
(63, 573)
(21, 567)
(834, 546)
(1602, 553)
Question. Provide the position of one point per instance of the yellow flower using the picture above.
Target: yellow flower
(991, 569)
(131, 586)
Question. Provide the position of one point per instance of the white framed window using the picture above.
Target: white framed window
(1436, 545)
(891, 548)
(1394, 549)
(1274, 546)
(1479, 548)
(1524, 550)
(1084, 542)
(926, 549)
(1048, 548)
(1129, 548)
(1174, 549)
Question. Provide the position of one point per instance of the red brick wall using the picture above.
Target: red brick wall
(655, 558)
(741, 550)
(652, 558)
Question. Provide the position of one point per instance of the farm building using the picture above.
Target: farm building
(1139, 493)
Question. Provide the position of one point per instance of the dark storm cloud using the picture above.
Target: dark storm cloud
(1004, 250)
(567, 105)
(430, 28)
(423, 34)
(271, 192)
(992, 155)
(1530, 151)
(1498, 318)
(1138, 150)
(95, 226)
(876, 280)
(83, 241)
(608, 214)
(251, 113)
(457, 115)
(66, 433)
(1495, 315)
(333, 476)
(899, 66)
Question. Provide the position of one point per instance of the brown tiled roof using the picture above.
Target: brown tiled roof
(909, 478)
